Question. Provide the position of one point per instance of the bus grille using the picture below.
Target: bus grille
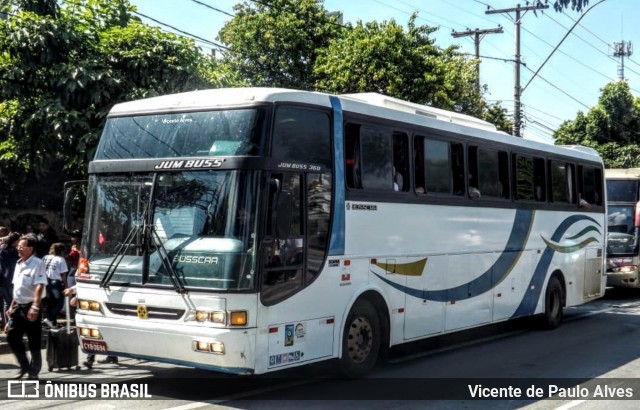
(153, 312)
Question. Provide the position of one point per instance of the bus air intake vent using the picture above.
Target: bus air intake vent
(153, 312)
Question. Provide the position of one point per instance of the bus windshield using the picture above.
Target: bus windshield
(189, 134)
(194, 227)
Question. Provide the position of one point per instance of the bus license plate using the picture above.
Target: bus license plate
(94, 346)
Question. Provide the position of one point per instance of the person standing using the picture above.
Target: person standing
(29, 281)
(46, 237)
(56, 270)
(8, 259)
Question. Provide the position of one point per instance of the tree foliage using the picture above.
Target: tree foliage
(577, 5)
(61, 70)
(275, 43)
(612, 127)
(384, 58)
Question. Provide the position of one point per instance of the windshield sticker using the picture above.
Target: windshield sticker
(191, 164)
(303, 167)
(288, 335)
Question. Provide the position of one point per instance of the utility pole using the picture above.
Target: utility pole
(477, 36)
(622, 49)
(517, 91)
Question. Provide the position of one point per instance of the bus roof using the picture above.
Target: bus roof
(622, 173)
(363, 103)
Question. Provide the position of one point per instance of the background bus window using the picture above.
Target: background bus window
(562, 185)
(625, 190)
(590, 186)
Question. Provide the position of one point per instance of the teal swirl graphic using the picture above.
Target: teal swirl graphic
(574, 247)
(530, 299)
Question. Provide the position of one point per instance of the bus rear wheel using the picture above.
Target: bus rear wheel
(360, 340)
(552, 316)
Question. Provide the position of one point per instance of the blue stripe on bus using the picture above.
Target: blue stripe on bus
(336, 244)
(530, 300)
(522, 224)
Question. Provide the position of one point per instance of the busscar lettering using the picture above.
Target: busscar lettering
(196, 259)
(364, 207)
(191, 164)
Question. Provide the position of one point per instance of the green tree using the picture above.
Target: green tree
(406, 64)
(496, 114)
(275, 43)
(61, 70)
(612, 127)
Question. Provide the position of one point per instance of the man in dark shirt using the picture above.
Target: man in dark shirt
(46, 237)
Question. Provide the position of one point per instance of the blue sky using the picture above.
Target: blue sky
(569, 82)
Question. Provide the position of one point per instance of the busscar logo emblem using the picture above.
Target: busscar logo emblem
(143, 313)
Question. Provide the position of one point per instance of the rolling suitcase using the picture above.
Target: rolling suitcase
(62, 345)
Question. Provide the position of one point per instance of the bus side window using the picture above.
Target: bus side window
(529, 178)
(352, 156)
(492, 173)
(376, 158)
(562, 182)
(400, 162)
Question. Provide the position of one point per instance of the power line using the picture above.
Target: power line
(213, 8)
(559, 89)
(204, 40)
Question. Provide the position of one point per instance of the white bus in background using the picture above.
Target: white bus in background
(624, 227)
(251, 230)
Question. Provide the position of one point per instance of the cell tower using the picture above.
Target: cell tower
(622, 49)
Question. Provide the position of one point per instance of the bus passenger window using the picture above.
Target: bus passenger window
(400, 162)
(590, 185)
(493, 179)
(529, 178)
(562, 185)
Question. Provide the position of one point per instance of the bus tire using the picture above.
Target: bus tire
(360, 340)
(553, 297)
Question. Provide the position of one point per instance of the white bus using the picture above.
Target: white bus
(623, 210)
(251, 230)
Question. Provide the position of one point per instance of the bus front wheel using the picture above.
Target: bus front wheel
(360, 340)
(552, 316)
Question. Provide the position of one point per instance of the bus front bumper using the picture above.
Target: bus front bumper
(218, 349)
(628, 279)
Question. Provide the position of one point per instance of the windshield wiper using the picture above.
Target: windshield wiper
(120, 252)
(166, 261)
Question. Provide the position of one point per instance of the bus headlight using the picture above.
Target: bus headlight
(90, 333)
(91, 305)
(216, 347)
(238, 318)
(201, 315)
(208, 347)
(628, 269)
(217, 317)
